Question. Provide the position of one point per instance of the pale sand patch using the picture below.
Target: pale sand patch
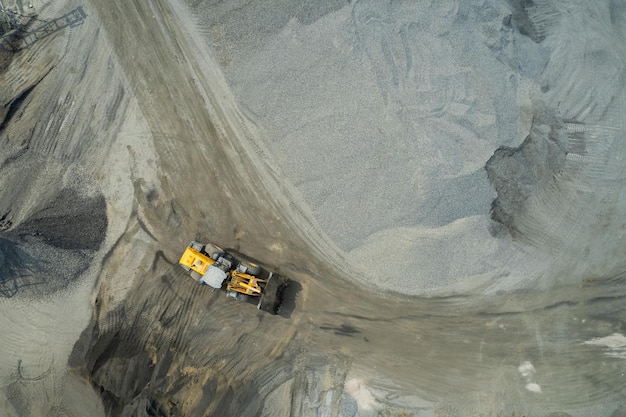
(527, 370)
(362, 395)
(616, 340)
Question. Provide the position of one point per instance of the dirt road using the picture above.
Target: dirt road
(178, 160)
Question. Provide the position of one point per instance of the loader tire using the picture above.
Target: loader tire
(254, 269)
(251, 269)
(196, 276)
(209, 249)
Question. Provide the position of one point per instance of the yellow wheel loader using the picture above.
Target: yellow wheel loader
(245, 281)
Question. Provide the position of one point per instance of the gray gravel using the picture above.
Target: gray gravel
(384, 114)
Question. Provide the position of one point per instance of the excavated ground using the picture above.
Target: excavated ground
(122, 140)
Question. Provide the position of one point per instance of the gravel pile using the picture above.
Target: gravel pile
(383, 115)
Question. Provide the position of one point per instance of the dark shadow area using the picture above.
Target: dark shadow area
(342, 330)
(16, 268)
(71, 221)
(15, 106)
(517, 174)
(290, 296)
(51, 249)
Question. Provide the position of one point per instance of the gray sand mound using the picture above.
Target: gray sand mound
(384, 116)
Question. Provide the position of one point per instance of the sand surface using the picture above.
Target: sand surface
(384, 115)
(441, 180)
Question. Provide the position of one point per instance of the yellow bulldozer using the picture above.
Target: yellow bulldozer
(210, 265)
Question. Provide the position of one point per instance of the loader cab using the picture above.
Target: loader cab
(214, 277)
(194, 260)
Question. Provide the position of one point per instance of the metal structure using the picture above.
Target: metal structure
(71, 19)
(18, 37)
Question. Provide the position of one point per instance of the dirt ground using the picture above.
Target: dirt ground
(140, 128)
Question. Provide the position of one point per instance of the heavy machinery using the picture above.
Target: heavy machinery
(245, 281)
